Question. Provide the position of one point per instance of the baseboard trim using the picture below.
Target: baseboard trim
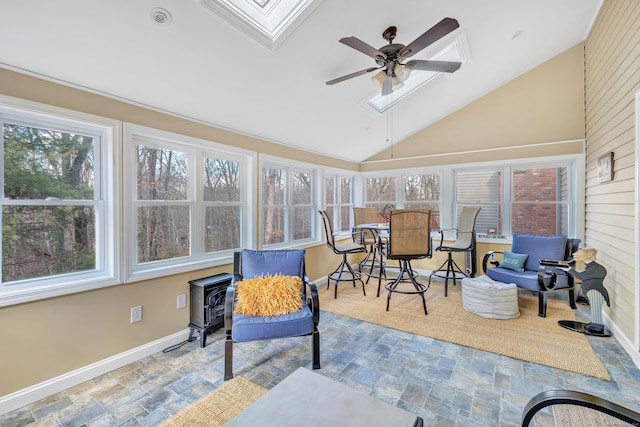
(32, 394)
(622, 339)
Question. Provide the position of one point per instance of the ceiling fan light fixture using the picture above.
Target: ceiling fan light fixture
(378, 78)
(396, 83)
(402, 72)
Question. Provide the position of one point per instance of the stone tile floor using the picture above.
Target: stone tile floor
(445, 384)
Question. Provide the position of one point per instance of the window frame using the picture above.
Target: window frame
(339, 205)
(106, 200)
(196, 149)
(575, 203)
(317, 188)
(399, 175)
(574, 163)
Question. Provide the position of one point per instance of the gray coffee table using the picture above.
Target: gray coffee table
(310, 399)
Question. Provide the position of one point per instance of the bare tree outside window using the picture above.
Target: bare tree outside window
(345, 204)
(288, 204)
(162, 226)
(190, 201)
(338, 201)
(302, 205)
(423, 191)
(273, 202)
(380, 190)
(223, 209)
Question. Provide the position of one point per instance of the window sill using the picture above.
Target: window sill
(33, 291)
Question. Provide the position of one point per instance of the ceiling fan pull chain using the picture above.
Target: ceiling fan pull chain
(390, 121)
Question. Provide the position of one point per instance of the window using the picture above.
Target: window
(533, 197)
(423, 191)
(57, 205)
(162, 214)
(338, 201)
(380, 192)
(540, 201)
(530, 199)
(481, 188)
(288, 204)
(418, 190)
(189, 201)
(223, 204)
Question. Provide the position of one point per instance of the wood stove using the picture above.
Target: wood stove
(207, 304)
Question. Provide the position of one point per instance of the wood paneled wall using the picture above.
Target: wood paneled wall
(612, 77)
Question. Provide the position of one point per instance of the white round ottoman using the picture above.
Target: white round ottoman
(487, 298)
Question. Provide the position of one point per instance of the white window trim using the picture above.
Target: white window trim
(575, 163)
(447, 191)
(355, 199)
(108, 264)
(197, 149)
(274, 161)
(399, 175)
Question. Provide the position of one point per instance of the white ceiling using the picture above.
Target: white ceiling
(202, 67)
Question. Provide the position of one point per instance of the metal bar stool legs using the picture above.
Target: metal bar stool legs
(451, 271)
(346, 269)
(407, 275)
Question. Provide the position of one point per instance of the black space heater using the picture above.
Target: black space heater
(207, 304)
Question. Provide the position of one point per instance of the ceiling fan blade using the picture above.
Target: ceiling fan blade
(361, 46)
(432, 35)
(349, 76)
(439, 66)
(387, 86)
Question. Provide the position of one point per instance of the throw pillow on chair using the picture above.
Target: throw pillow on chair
(270, 295)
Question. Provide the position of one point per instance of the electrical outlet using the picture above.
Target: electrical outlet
(136, 314)
(182, 301)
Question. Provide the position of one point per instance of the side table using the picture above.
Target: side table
(307, 398)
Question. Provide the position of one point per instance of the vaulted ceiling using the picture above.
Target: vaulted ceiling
(202, 66)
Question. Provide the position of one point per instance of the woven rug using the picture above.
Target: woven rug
(578, 416)
(528, 337)
(219, 406)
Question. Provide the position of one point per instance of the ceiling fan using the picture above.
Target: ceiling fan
(390, 57)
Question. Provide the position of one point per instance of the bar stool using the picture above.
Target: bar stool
(409, 239)
(344, 272)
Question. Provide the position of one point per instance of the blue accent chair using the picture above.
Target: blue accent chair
(242, 328)
(540, 279)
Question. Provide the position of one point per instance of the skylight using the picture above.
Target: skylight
(261, 3)
(267, 21)
(452, 52)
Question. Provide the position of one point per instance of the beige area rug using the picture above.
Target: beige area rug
(528, 337)
(219, 406)
(578, 416)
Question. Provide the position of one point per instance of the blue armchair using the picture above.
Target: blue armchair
(250, 264)
(534, 276)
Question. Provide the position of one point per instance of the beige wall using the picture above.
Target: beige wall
(612, 58)
(544, 105)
